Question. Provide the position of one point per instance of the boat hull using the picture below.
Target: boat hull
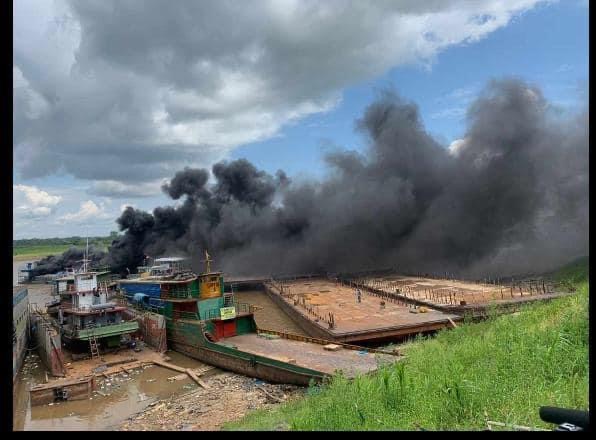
(252, 366)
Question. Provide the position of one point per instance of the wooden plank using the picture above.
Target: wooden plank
(199, 372)
(452, 323)
(196, 378)
(170, 366)
(60, 383)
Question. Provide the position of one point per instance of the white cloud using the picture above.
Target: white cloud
(36, 196)
(126, 205)
(188, 83)
(456, 146)
(113, 188)
(449, 113)
(30, 202)
(88, 211)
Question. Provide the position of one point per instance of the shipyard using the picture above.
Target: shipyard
(268, 338)
(300, 216)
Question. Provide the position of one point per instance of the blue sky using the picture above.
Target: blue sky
(546, 45)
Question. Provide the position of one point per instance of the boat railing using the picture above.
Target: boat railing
(179, 314)
(295, 337)
(241, 308)
(96, 325)
(177, 294)
(86, 309)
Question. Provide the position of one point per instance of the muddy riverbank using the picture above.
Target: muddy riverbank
(114, 400)
(152, 398)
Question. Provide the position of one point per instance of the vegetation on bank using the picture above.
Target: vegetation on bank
(41, 247)
(502, 369)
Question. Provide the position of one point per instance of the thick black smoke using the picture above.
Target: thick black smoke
(72, 258)
(510, 197)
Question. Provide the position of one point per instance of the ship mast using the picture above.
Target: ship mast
(207, 261)
(86, 256)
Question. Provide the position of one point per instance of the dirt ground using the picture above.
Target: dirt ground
(228, 398)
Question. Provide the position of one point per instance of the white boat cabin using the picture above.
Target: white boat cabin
(87, 292)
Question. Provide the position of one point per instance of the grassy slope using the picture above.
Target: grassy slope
(502, 370)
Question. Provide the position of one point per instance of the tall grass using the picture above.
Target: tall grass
(502, 369)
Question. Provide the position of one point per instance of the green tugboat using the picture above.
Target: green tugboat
(208, 324)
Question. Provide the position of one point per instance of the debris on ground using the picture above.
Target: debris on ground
(229, 397)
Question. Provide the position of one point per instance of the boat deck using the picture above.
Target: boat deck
(450, 292)
(314, 299)
(308, 355)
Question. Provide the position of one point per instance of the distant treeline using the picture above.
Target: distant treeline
(65, 241)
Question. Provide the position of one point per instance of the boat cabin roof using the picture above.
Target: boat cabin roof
(210, 273)
(170, 259)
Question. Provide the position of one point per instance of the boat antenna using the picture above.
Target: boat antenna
(86, 255)
(207, 261)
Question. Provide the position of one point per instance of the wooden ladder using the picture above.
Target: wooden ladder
(93, 346)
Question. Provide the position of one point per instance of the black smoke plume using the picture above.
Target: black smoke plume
(510, 197)
(72, 258)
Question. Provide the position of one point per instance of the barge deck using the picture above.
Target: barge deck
(331, 310)
(306, 354)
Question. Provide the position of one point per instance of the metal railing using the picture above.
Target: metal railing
(295, 337)
(98, 330)
(178, 314)
(241, 308)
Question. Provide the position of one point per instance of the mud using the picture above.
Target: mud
(115, 398)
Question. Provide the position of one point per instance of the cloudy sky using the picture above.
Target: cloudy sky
(112, 97)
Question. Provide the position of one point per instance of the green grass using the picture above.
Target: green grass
(38, 251)
(574, 273)
(502, 369)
